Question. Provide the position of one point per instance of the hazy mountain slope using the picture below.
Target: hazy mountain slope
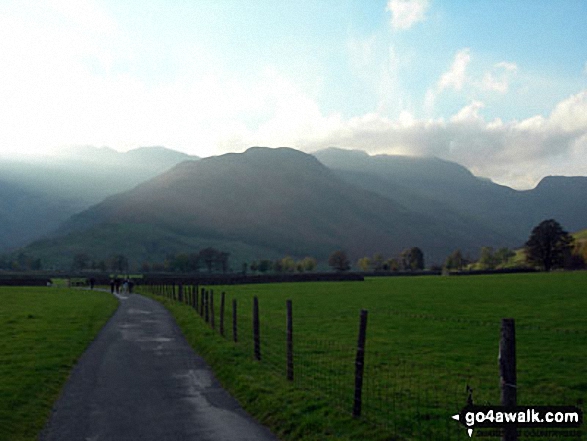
(23, 214)
(429, 183)
(87, 175)
(37, 194)
(277, 199)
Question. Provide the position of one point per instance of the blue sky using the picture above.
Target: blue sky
(498, 86)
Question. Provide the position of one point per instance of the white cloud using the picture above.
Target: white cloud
(455, 77)
(499, 78)
(405, 13)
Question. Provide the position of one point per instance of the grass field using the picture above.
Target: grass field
(43, 331)
(427, 338)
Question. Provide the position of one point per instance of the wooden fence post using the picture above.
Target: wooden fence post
(222, 300)
(256, 330)
(234, 328)
(180, 292)
(207, 306)
(212, 309)
(507, 372)
(289, 326)
(203, 291)
(360, 364)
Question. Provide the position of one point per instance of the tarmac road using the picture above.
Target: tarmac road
(140, 380)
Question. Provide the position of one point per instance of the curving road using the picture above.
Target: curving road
(140, 380)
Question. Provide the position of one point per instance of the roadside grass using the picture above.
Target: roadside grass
(43, 332)
(427, 338)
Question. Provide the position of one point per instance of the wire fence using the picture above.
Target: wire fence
(401, 391)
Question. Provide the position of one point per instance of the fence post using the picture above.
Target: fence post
(203, 291)
(256, 330)
(360, 364)
(222, 300)
(180, 292)
(234, 328)
(212, 308)
(507, 372)
(289, 325)
(207, 306)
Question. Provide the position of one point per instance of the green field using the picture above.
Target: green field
(427, 338)
(43, 331)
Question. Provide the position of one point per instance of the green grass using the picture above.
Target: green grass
(427, 338)
(43, 331)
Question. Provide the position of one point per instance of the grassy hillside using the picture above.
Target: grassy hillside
(43, 331)
(427, 338)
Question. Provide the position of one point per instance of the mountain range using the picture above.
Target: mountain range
(268, 203)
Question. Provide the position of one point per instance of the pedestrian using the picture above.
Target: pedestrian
(117, 284)
(111, 286)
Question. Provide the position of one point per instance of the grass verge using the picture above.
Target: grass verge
(43, 332)
(290, 413)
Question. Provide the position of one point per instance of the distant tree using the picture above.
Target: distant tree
(245, 267)
(194, 262)
(265, 265)
(288, 264)
(208, 256)
(339, 261)
(364, 263)
(455, 261)
(254, 266)
(222, 261)
(548, 246)
(393, 264)
(487, 259)
(412, 259)
(309, 263)
(503, 256)
(277, 266)
(377, 262)
(145, 267)
(180, 263)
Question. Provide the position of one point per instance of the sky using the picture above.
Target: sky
(497, 86)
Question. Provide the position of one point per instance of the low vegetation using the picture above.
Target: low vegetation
(427, 338)
(43, 331)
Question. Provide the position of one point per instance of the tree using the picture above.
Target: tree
(309, 264)
(265, 265)
(487, 259)
(377, 262)
(548, 246)
(455, 261)
(364, 263)
(208, 256)
(288, 264)
(339, 261)
(412, 259)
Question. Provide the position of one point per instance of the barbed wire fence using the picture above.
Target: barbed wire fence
(408, 398)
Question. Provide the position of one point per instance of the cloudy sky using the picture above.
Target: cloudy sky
(498, 86)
